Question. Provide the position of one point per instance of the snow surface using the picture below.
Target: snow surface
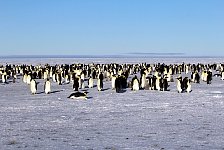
(141, 120)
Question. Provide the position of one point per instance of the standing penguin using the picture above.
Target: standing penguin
(209, 77)
(113, 79)
(28, 79)
(59, 79)
(33, 86)
(120, 84)
(135, 83)
(188, 90)
(184, 84)
(47, 86)
(143, 81)
(4, 77)
(222, 75)
(165, 84)
(67, 79)
(25, 78)
(197, 77)
(100, 82)
(82, 79)
(179, 84)
(76, 84)
(90, 82)
(158, 83)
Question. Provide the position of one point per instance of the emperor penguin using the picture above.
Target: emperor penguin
(67, 79)
(197, 77)
(193, 75)
(25, 78)
(59, 79)
(33, 86)
(47, 86)
(45, 75)
(185, 84)
(209, 77)
(28, 79)
(168, 77)
(76, 84)
(113, 79)
(100, 82)
(78, 95)
(14, 77)
(120, 84)
(135, 83)
(143, 81)
(179, 84)
(188, 90)
(90, 82)
(222, 75)
(165, 84)
(149, 82)
(161, 84)
(82, 77)
(108, 75)
(4, 77)
(158, 83)
(54, 77)
(154, 78)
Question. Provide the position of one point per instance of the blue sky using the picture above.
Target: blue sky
(104, 27)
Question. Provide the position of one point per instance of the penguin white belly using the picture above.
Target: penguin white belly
(193, 79)
(3, 79)
(188, 88)
(222, 76)
(179, 86)
(45, 75)
(157, 84)
(113, 83)
(25, 78)
(143, 83)
(47, 87)
(91, 83)
(135, 85)
(28, 79)
(99, 85)
(33, 87)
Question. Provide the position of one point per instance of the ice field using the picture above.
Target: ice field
(141, 120)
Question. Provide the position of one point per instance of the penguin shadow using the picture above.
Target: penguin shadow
(57, 91)
(122, 91)
(87, 87)
(39, 93)
(50, 92)
(89, 97)
(65, 83)
(4, 83)
(105, 89)
(84, 90)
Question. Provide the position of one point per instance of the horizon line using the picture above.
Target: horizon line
(128, 55)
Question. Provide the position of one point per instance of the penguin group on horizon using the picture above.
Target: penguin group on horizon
(137, 77)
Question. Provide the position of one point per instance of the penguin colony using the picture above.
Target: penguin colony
(140, 76)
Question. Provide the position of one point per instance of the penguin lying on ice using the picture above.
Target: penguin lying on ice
(78, 95)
